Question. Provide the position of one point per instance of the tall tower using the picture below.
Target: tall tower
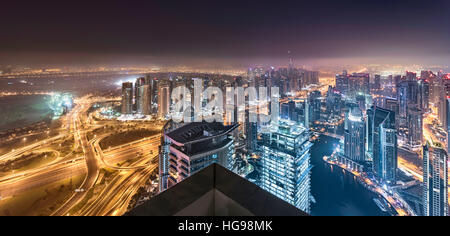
(251, 133)
(163, 99)
(410, 115)
(189, 148)
(137, 93)
(286, 164)
(144, 100)
(435, 180)
(424, 88)
(447, 119)
(384, 145)
(355, 136)
(127, 98)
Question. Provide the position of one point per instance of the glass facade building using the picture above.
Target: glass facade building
(286, 163)
(127, 98)
(192, 147)
(435, 181)
(354, 144)
(384, 144)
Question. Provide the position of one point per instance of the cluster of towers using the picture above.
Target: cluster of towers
(145, 97)
(396, 119)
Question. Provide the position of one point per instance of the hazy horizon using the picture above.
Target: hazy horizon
(230, 33)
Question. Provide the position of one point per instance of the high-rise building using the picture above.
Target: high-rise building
(410, 115)
(397, 80)
(354, 148)
(354, 84)
(143, 95)
(414, 127)
(163, 99)
(361, 101)
(301, 112)
(310, 77)
(194, 146)
(127, 98)
(446, 82)
(447, 126)
(384, 141)
(137, 93)
(435, 181)
(286, 163)
(251, 133)
(358, 83)
(377, 82)
(144, 104)
(342, 82)
(411, 76)
(284, 113)
(333, 102)
(314, 106)
(425, 74)
(408, 96)
(441, 105)
(424, 91)
(369, 133)
(435, 89)
(292, 111)
(164, 150)
(392, 105)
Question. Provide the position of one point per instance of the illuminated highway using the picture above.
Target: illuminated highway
(93, 169)
(429, 134)
(116, 194)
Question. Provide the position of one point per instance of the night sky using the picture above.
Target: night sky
(251, 31)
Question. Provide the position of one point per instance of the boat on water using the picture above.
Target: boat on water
(380, 204)
(313, 200)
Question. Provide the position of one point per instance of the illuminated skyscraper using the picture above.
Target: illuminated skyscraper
(127, 98)
(392, 105)
(354, 84)
(285, 111)
(144, 100)
(251, 133)
(408, 96)
(164, 150)
(286, 163)
(142, 95)
(358, 83)
(384, 141)
(447, 119)
(194, 146)
(410, 117)
(310, 77)
(411, 76)
(314, 100)
(163, 99)
(424, 89)
(377, 82)
(342, 82)
(137, 93)
(354, 148)
(414, 127)
(435, 181)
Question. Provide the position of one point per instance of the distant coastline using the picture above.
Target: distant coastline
(23, 110)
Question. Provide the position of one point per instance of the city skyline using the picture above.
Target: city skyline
(225, 108)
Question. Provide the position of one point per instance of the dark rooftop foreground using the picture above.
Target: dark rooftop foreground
(198, 131)
(215, 191)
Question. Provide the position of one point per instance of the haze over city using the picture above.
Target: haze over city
(225, 108)
(237, 33)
